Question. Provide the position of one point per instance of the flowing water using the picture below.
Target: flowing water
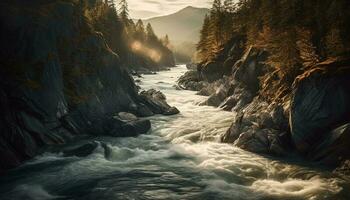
(180, 158)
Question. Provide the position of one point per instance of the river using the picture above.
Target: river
(180, 158)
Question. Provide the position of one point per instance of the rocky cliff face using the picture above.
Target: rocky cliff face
(311, 118)
(320, 110)
(59, 79)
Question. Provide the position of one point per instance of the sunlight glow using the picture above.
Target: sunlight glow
(138, 47)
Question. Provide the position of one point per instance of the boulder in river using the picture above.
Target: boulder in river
(191, 80)
(156, 102)
(81, 151)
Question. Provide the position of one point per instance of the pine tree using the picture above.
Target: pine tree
(229, 6)
(139, 26)
(216, 26)
(217, 7)
(140, 33)
(203, 42)
(124, 11)
(149, 31)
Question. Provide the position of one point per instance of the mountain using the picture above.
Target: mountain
(182, 26)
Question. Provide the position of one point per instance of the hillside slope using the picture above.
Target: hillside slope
(59, 79)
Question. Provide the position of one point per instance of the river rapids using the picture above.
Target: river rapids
(180, 158)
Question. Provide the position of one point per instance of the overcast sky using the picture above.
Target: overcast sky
(150, 8)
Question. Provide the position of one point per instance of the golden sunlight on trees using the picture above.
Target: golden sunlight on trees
(138, 47)
(297, 34)
(134, 43)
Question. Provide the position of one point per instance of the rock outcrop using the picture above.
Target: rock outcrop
(312, 118)
(59, 79)
(320, 112)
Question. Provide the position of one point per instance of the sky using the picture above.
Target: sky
(143, 9)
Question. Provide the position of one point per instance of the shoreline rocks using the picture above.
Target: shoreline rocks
(311, 119)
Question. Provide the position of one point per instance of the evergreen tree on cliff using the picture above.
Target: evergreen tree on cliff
(203, 44)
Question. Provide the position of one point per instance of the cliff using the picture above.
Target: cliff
(59, 79)
(310, 118)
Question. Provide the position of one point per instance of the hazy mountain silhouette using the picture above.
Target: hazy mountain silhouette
(182, 26)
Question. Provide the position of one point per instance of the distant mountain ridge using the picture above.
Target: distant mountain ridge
(182, 26)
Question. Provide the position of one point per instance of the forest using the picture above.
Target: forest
(297, 34)
(98, 104)
(137, 45)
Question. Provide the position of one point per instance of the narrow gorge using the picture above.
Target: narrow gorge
(95, 105)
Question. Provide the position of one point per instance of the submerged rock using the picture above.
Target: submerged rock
(81, 151)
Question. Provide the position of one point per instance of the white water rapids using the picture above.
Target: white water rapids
(180, 158)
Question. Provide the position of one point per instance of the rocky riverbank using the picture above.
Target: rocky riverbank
(310, 118)
(59, 79)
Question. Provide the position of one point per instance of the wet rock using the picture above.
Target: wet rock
(320, 102)
(124, 116)
(235, 130)
(156, 102)
(191, 81)
(254, 140)
(81, 151)
(244, 97)
(217, 98)
(135, 73)
(211, 72)
(229, 103)
(248, 70)
(171, 111)
(344, 168)
(334, 148)
(144, 111)
(191, 66)
(265, 120)
(278, 147)
(279, 118)
(135, 128)
(228, 65)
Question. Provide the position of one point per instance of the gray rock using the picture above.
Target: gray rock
(171, 111)
(81, 151)
(127, 116)
(235, 130)
(156, 102)
(135, 128)
(211, 72)
(228, 103)
(320, 102)
(144, 111)
(254, 140)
